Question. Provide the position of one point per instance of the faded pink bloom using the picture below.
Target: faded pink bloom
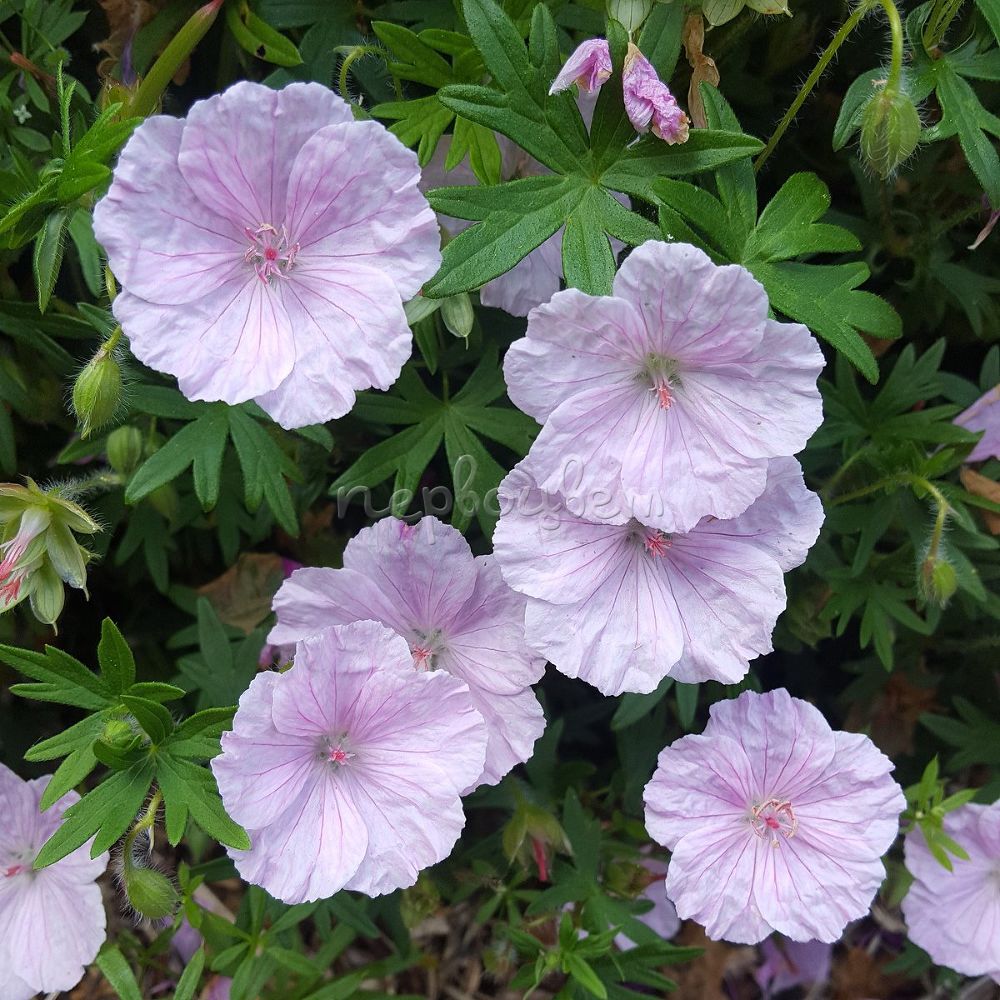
(774, 821)
(788, 964)
(672, 393)
(347, 769)
(955, 915)
(454, 611)
(622, 605)
(588, 67)
(265, 245)
(983, 415)
(662, 918)
(648, 102)
(52, 921)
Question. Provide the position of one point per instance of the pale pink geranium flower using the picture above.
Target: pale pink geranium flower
(674, 391)
(775, 821)
(955, 915)
(588, 66)
(52, 921)
(622, 605)
(983, 415)
(265, 245)
(347, 769)
(454, 611)
(648, 102)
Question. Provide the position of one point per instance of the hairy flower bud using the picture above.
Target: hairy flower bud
(124, 449)
(97, 392)
(937, 580)
(890, 131)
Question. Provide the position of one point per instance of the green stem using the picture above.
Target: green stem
(113, 341)
(356, 53)
(145, 822)
(895, 71)
(939, 21)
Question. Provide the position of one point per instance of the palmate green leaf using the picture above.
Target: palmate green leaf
(990, 9)
(57, 677)
(257, 37)
(48, 254)
(115, 658)
(118, 973)
(190, 790)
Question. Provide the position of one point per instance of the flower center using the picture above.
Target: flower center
(334, 750)
(270, 252)
(425, 647)
(653, 541)
(660, 374)
(772, 817)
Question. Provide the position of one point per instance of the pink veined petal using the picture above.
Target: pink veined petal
(238, 146)
(694, 310)
(313, 599)
(163, 245)
(353, 197)
(767, 403)
(427, 569)
(711, 880)
(699, 782)
(530, 282)
(784, 521)
(574, 342)
(589, 65)
(313, 849)
(729, 596)
(262, 771)
(983, 415)
(346, 331)
(677, 467)
(788, 740)
(485, 645)
(434, 175)
(327, 691)
(514, 722)
(230, 345)
(624, 636)
(51, 928)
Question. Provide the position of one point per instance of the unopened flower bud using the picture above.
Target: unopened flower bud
(97, 392)
(937, 580)
(630, 14)
(456, 311)
(124, 449)
(890, 131)
(150, 893)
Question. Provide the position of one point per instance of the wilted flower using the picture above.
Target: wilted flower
(347, 769)
(265, 245)
(622, 605)
(955, 915)
(52, 921)
(672, 392)
(588, 67)
(454, 611)
(788, 964)
(774, 821)
(983, 415)
(39, 551)
(648, 102)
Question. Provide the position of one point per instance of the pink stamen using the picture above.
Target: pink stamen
(10, 589)
(656, 543)
(773, 817)
(663, 394)
(337, 755)
(422, 657)
(14, 870)
(270, 251)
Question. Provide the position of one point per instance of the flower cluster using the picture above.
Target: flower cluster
(52, 922)
(347, 769)
(954, 914)
(648, 102)
(454, 611)
(39, 552)
(774, 820)
(652, 521)
(265, 246)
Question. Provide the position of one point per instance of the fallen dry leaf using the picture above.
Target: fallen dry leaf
(242, 596)
(982, 486)
(703, 68)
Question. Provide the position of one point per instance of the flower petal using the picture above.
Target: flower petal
(530, 282)
(238, 146)
(163, 245)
